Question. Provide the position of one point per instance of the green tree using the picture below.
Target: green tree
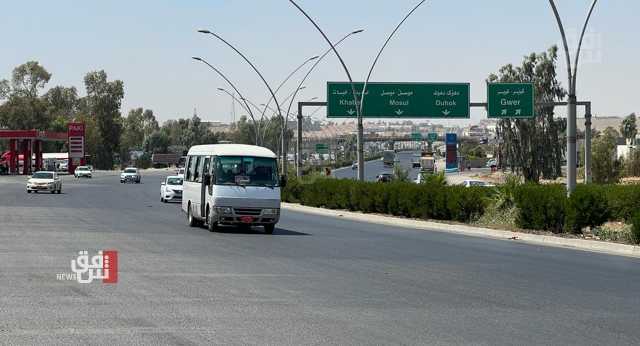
(23, 108)
(534, 147)
(632, 164)
(150, 124)
(28, 78)
(628, 128)
(157, 142)
(605, 166)
(61, 102)
(133, 134)
(400, 174)
(104, 99)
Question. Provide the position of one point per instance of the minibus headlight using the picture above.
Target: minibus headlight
(225, 210)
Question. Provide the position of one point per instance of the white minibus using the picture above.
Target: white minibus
(231, 184)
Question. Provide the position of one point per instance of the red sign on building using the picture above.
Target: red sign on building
(76, 140)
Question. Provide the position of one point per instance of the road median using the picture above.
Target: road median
(537, 239)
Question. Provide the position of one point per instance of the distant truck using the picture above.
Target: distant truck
(427, 163)
(165, 159)
(388, 158)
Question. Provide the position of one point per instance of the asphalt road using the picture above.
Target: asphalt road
(317, 280)
(373, 168)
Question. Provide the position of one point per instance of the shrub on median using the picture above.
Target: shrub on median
(541, 207)
(587, 206)
(537, 207)
(635, 228)
(427, 201)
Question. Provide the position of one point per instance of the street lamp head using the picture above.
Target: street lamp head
(357, 31)
(202, 31)
(196, 58)
(302, 87)
(221, 89)
(314, 57)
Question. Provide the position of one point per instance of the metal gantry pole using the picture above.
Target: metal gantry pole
(346, 70)
(301, 105)
(364, 90)
(572, 100)
(587, 143)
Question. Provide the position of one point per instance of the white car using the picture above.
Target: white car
(44, 181)
(130, 174)
(171, 189)
(472, 183)
(180, 172)
(82, 171)
(64, 166)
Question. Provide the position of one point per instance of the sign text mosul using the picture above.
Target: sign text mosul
(399, 100)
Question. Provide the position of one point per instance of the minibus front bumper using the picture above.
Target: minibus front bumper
(247, 216)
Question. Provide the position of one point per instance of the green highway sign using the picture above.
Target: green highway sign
(399, 100)
(416, 136)
(510, 100)
(432, 137)
(322, 148)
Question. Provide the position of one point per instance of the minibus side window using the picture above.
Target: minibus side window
(192, 168)
(198, 170)
(187, 169)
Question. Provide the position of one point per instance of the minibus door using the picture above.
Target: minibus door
(206, 172)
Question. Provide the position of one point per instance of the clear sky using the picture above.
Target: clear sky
(149, 43)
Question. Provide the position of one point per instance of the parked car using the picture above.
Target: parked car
(44, 181)
(64, 166)
(354, 165)
(384, 178)
(470, 183)
(171, 189)
(130, 174)
(90, 168)
(82, 171)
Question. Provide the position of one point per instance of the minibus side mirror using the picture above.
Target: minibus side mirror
(283, 181)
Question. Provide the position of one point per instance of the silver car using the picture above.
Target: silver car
(130, 174)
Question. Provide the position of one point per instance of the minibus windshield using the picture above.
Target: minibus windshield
(246, 171)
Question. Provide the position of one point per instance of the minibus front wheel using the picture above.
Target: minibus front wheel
(268, 229)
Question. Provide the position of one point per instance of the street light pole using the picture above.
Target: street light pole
(234, 88)
(273, 94)
(358, 104)
(304, 79)
(346, 70)
(572, 102)
(234, 98)
(364, 90)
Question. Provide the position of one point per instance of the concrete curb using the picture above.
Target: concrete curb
(545, 240)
